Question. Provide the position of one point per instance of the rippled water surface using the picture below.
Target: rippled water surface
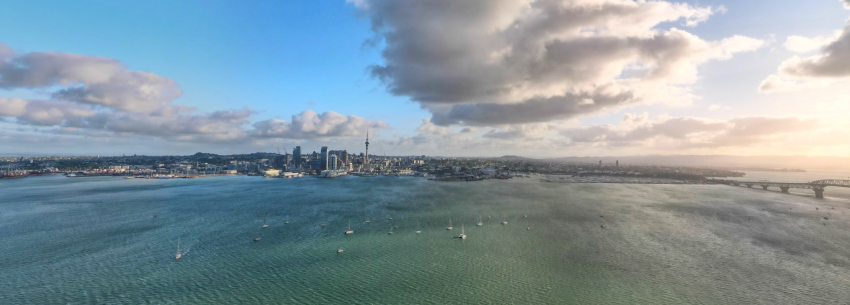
(95, 240)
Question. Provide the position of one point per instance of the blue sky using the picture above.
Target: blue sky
(280, 58)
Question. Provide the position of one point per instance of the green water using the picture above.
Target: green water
(95, 241)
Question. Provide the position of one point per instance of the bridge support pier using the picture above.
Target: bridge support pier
(749, 185)
(784, 189)
(764, 187)
(818, 192)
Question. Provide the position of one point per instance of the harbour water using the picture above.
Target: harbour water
(96, 241)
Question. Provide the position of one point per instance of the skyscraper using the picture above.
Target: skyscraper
(324, 158)
(296, 156)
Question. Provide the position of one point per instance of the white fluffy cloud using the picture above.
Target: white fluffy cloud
(490, 62)
(89, 79)
(98, 96)
(310, 125)
(800, 44)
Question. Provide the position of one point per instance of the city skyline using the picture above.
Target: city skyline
(529, 78)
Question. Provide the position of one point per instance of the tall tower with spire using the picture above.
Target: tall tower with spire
(367, 147)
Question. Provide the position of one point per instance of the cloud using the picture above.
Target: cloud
(310, 125)
(534, 110)
(800, 44)
(685, 132)
(462, 59)
(89, 79)
(99, 97)
(832, 64)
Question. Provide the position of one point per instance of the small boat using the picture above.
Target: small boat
(479, 222)
(265, 225)
(179, 255)
(287, 220)
(488, 216)
(450, 225)
(338, 250)
(322, 225)
(391, 232)
(462, 233)
(419, 227)
(349, 229)
(256, 239)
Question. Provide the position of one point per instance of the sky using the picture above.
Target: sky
(535, 78)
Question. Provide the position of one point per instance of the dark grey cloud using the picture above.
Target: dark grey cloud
(506, 56)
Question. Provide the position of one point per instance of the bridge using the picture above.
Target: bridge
(817, 186)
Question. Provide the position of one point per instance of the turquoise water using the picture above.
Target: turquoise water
(94, 241)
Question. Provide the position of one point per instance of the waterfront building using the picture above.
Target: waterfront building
(332, 163)
(296, 156)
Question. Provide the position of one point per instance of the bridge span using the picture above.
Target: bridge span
(817, 186)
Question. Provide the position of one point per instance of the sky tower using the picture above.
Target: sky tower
(367, 147)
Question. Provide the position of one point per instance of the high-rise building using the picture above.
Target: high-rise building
(332, 162)
(296, 156)
(324, 158)
(617, 164)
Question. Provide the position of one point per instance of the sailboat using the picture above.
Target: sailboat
(349, 229)
(450, 225)
(265, 225)
(391, 231)
(479, 221)
(179, 255)
(418, 226)
(504, 221)
(287, 220)
(462, 233)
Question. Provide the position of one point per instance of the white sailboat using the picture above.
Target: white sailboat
(504, 221)
(450, 225)
(462, 233)
(179, 255)
(479, 222)
(287, 220)
(419, 228)
(265, 225)
(391, 231)
(349, 231)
